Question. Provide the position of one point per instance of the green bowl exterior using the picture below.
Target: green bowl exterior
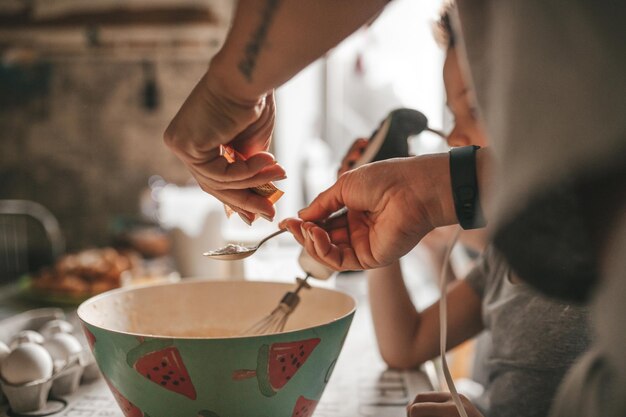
(211, 365)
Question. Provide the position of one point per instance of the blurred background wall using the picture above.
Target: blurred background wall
(86, 91)
(88, 87)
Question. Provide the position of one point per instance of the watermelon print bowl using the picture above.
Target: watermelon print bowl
(173, 350)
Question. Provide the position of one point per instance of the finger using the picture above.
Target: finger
(446, 409)
(309, 246)
(309, 243)
(357, 145)
(314, 249)
(361, 144)
(269, 174)
(335, 222)
(357, 150)
(245, 216)
(294, 226)
(219, 169)
(324, 204)
(339, 236)
(432, 397)
(338, 257)
(353, 154)
(246, 200)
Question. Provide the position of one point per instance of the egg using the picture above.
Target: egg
(26, 363)
(63, 347)
(4, 352)
(26, 336)
(55, 326)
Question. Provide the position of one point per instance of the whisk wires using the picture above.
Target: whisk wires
(276, 321)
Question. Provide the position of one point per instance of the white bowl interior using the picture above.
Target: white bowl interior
(207, 309)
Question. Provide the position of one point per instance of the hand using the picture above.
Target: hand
(391, 205)
(439, 404)
(210, 117)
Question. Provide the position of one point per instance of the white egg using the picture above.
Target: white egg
(63, 347)
(4, 352)
(26, 336)
(55, 326)
(26, 363)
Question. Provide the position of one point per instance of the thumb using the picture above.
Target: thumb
(324, 204)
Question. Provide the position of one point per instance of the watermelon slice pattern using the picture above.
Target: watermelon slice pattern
(304, 407)
(163, 365)
(128, 408)
(277, 364)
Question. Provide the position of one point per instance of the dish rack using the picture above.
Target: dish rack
(20, 225)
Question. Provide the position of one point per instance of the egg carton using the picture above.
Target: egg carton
(66, 376)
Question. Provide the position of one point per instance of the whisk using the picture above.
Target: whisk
(276, 321)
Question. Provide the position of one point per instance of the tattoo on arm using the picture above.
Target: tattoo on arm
(257, 39)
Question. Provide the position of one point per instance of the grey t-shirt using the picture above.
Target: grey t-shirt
(534, 341)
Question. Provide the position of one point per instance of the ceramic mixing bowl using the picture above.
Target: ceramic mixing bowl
(174, 350)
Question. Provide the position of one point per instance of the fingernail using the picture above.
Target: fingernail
(266, 217)
(245, 219)
(310, 232)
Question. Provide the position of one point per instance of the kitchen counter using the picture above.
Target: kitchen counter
(361, 385)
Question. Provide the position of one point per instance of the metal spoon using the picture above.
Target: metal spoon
(232, 252)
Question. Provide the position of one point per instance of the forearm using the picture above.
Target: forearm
(407, 338)
(394, 316)
(271, 40)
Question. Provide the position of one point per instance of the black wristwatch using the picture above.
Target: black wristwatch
(465, 187)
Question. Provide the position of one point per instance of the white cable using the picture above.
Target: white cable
(443, 326)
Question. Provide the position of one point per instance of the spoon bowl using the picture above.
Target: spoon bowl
(233, 252)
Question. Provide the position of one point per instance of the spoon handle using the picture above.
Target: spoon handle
(271, 236)
(276, 233)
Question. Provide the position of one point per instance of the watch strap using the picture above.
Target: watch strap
(465, 190)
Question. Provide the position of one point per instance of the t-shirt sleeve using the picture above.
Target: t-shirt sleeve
(477, 277)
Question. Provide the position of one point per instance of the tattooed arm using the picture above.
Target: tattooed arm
(270, 41)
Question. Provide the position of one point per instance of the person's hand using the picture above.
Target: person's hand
(391, 205)
(354, 153)
(210, 117)
(439, 404)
